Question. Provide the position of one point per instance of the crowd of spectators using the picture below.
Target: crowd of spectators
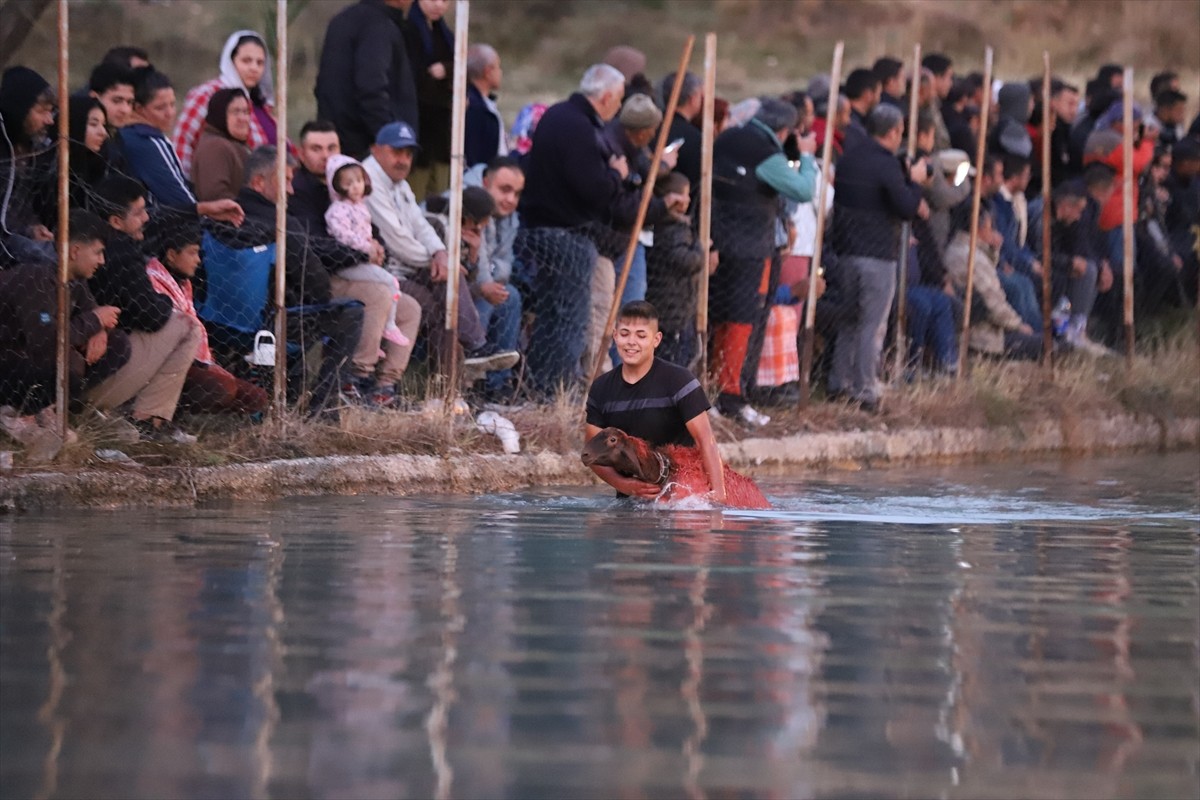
(173, 227)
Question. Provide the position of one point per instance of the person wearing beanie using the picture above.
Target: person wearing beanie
(1103, 146)
(26, 114)
(1010, 136)
(629, 135)
(219, 160)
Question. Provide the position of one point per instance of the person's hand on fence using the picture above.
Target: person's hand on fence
(96, 347)
(714, 258)
(473, 240)
(1036, 267)
(222, 211)
(495, 293)
(439, 266)
(1104, 281)
(807, 143)
(923, 209)
(40, 233)
(619, 165)
(437, 71)
(919, 173)
(1078, 266)
(108, 316)
(1025, 329)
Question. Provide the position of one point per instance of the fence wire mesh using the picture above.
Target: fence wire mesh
(180, 314)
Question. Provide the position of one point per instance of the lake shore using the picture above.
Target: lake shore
(113, 486)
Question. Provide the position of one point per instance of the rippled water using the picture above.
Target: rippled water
(993, 631)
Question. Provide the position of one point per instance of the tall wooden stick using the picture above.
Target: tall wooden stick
(814, 270)
(454, 223)
(708, 134)
(1047, 128)
(980, 150)
(1127, 212)
(906, 227)
(63, 237)
(281, 183)
(647, 192)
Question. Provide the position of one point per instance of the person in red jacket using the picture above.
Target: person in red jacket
(1104, 146)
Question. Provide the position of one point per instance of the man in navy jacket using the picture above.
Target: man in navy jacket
(571, 180)
(872, 196)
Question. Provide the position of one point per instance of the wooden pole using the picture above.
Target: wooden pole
(708, 134)
(647, 192)
(281, 185)
(906, 227)
(980, 150)
(1127, 212)
(1047, 128)
(814, 271)
(63, 236)
(454, 223)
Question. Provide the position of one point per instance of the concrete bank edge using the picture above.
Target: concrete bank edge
(118, 487)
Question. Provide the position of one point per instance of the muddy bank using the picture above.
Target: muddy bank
(113, 487)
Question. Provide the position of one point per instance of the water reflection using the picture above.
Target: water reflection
(909, 633)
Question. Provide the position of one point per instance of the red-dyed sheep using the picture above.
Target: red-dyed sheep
(679, 470)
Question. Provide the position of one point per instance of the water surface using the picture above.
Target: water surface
(993, 631)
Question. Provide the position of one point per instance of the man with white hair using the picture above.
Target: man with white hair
(484, 127)
(571, 181)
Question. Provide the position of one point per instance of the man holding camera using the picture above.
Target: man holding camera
(874, 193)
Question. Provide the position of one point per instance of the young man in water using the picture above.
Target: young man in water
(653, 400)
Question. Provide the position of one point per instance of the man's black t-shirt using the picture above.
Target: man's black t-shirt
(656, 408)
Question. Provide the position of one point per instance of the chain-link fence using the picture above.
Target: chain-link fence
(180, 316)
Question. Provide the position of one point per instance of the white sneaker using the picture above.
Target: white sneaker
(753, 417)
(1080, 343)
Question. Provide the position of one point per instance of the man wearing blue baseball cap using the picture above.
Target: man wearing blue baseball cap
(416, 254)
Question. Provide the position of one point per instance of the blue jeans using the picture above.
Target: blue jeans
(930, 321)
(558, 264)
(1021, 295)
(503, 326)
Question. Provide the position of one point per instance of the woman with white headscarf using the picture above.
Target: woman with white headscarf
(244, 65)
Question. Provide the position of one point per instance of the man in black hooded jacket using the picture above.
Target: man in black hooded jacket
(26, 114)
(365, 79)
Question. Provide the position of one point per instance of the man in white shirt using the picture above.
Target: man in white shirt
(417, 255)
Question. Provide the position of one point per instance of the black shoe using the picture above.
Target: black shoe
(162, 431)
(489, 358)
(778, 396)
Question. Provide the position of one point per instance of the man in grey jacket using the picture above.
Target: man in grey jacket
(497, 300)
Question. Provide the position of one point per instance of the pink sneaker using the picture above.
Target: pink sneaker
(396, 336)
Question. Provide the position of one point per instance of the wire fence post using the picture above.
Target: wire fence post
(647, 192)
(281, 187)
(814, 271)
(708, 134)
(454, 223)
(63, 237)
(906, 227)
(1047, 128)
(1127, 212)
(980, 150)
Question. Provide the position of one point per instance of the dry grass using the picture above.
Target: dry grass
(1163, 382)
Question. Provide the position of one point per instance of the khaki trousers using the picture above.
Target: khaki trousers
(155, 372)
(429, 180)
(604, 282)
(377, 306)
